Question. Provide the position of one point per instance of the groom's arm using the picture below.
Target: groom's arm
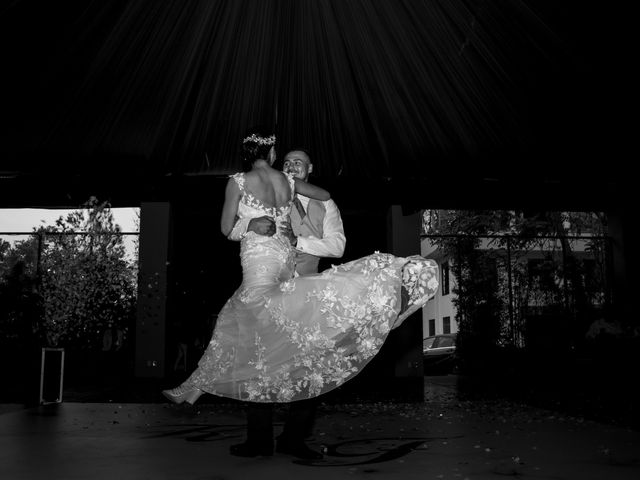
(333, 240)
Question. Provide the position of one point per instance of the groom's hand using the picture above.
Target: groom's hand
(287, 231)
(262, 226)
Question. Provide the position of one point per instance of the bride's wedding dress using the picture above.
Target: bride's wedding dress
(282, 338)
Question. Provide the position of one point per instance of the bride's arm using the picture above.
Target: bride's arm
(311, 191)
(230, 208)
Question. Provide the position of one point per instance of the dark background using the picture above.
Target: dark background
(435, 103)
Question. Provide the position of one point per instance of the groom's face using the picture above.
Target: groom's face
(298, 164)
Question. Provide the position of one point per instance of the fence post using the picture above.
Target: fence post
(51, 375)
(510, 285)
(39, 256)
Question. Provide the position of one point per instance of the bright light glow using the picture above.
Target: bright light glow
(24, 220)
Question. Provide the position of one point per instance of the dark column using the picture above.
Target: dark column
(620, 227)
(403, 241)
(616, 359)
(154, 260)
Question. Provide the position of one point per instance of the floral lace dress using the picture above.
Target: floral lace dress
(281, 338)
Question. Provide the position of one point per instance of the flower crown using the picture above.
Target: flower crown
(260, 140)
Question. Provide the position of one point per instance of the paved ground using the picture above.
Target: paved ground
(442, 438)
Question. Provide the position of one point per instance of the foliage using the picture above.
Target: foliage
(509, 266)
(20, 303)
(85, 283)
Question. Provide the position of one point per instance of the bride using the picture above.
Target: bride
(282, 338)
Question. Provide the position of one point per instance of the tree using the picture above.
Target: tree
(510, 267)
(86, 283)
(458, 237)
(20, 302)
(69, 282)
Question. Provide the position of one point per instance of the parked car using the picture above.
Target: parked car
(439, 353)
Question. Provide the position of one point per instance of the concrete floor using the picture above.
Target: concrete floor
(442, 438)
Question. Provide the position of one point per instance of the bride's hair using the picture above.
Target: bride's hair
(256, 145)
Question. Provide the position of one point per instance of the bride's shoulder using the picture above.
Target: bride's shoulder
(239, 178)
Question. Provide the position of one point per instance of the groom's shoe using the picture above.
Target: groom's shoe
(297, 449)
(248, 449)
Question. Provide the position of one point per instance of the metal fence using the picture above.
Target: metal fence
(32, 243)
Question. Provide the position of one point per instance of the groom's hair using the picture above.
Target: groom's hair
(295, 149)
(301, 149)
(256, 144)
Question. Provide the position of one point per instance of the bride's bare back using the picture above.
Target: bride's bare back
(268, 185)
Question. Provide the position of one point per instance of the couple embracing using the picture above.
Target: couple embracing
(289, 334)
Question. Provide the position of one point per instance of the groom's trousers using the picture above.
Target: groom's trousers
(298, 422)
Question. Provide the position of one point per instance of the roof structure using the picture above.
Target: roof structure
(380, 91)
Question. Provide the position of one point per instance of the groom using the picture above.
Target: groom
(316, 232)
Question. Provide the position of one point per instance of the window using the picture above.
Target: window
(428, 342)
(432, 327)
(443, 342)
(445, 278)
(446, 324)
